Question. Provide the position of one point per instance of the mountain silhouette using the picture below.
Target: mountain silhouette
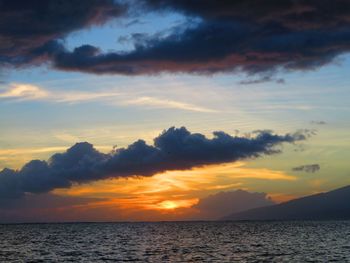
(324, 206)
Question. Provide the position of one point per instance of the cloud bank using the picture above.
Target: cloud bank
(174, 149)
(250, 36)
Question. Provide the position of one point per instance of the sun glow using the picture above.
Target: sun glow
(168, 205)
(176, 192)
(174, 204)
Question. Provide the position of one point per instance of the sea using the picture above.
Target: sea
(294, 241)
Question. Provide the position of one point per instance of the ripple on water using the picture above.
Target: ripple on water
(301, 241)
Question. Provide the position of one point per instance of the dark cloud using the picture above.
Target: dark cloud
(225, 203)
(28, 26)
(215, 46)
(262, 80)
(308, 168)
(174, 149)
(252, 36)
(299, 14)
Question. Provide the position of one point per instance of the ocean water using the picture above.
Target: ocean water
(303, 241)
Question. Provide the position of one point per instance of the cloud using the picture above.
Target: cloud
(224, 203)
(308, 168)
(165, 103)
(30, 150)
(318, 122)
(27, 27)
(230, 36)
(174, 149)
(227, 36)
(262, 80)
(25, 92)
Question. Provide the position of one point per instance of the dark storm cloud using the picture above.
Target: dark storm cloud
(225, 203)
(27, 26)
(309, 168)
(174, 149)
(251, 36)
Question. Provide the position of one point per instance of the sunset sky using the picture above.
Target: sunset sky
(224, 96)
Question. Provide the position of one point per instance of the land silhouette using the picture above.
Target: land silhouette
(333, 205)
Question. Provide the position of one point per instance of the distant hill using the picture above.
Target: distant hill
(331, 205)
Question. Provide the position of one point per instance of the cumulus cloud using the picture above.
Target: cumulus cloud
(225, 203)
(174, 149)
(228, 36)
(308, 168)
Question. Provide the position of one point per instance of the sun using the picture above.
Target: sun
(174, 204)
(168, 205)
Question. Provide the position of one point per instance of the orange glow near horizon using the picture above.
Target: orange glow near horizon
(172, 192)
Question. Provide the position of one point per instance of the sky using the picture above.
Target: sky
(170, 110)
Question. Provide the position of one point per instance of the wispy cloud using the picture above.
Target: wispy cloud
(308, 168)
(262, 79)
(165, 103)
(23, 92)
(78, 96)
(20, 92)
(16, 151)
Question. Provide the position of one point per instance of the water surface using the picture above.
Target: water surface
(308, 241)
